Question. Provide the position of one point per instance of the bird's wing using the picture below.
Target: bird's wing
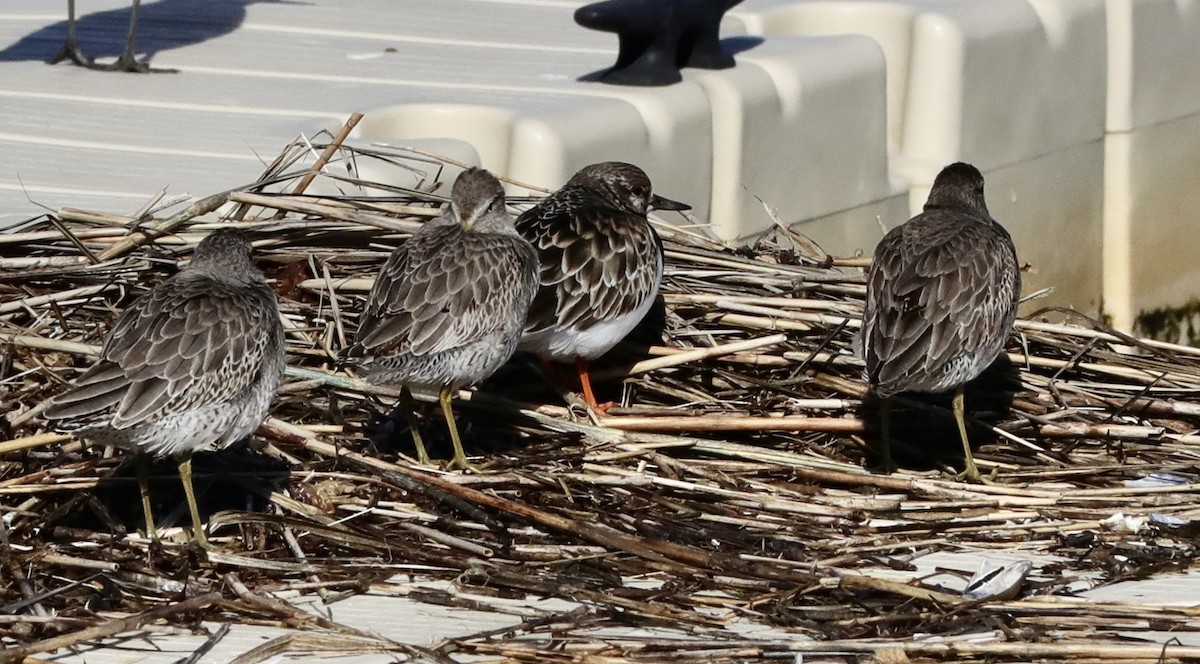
(189, 343)
(934, 295)
(594, 262)
(443, 289)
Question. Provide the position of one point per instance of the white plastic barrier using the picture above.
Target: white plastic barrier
(799, 136)
(798, 124)
(1016, 87)
(1152, 171)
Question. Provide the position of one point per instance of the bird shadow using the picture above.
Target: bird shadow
(220, 478)
(483, 430)
(162, 26)
(924, 434)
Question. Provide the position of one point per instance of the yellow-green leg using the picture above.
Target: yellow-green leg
(460, 457)
(885, 435)
(410, 413)
(185, 476)
(972, 472)
(143, 476)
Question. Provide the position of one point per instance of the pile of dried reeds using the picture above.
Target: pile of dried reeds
(728, 493)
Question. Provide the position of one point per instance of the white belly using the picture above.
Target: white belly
(564, 344)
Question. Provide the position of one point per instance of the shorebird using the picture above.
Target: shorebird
(127, 60)
(448, 306)
(942, 295)
(190, 366)
(601, 265)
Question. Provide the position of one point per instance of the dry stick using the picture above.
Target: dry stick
(461, 164)
(858, 582)
(40, 262)
(14, 569)
(343, 284)
(281, 430)
(60, 296)
(120, 223)
(319, 164)
(694, 355)
(30, 442)
(660, 551)
(449, 540)
(131, 242)
(845, 425)
(1026, 325)
(834, 306)
(208, 645)
(109, 628)
(31, 237)
(285, 205)
(74, 240)
(419, 208)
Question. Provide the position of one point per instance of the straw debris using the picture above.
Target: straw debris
(725, 512)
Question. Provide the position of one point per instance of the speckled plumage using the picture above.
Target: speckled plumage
(942, 293)
(448, 306)
(192, 365)
(601, 262)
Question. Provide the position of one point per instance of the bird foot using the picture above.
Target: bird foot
(199, 539)
(578, 404)
(601, 409)
(130, 64)
(72, 52)
(465, 466)
(971, 474)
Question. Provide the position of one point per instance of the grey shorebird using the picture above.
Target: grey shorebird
(942, 295)
(601, 265)
(190, 366)
(448, 306)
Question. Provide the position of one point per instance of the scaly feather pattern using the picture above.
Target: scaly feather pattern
(192, 364)
(942, 292)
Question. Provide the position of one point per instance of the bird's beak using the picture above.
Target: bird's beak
(659, 203)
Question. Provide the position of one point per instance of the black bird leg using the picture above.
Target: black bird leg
(70, 49)
(128, 61)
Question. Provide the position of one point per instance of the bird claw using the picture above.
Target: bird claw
(972, 475)
(73, 53)
(465, 466)
(131, 65)
(199, 539)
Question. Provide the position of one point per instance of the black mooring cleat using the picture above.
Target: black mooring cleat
(659, 37)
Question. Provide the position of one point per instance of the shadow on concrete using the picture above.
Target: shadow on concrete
(162, 26)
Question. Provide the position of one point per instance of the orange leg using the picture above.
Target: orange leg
(585, 381)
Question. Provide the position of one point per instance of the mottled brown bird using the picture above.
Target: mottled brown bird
(448, 306)
(942, 295)
(601, 265)
(190, 366)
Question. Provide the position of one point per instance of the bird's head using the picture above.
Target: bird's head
(224, 253)
(958, 186)
(623, 186)
(477, 200)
